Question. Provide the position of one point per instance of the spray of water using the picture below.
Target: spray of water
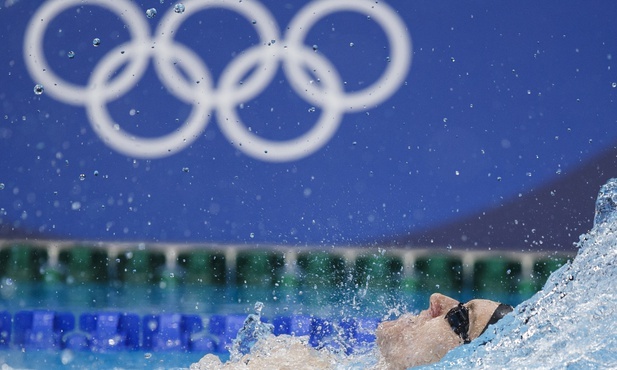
(568, 324)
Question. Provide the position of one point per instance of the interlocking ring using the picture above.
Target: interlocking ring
(234, 86)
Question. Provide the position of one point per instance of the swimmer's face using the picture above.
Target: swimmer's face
(423, 339)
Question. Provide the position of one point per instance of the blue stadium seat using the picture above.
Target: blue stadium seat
(170, 331)
(321, 329)
(292, 325)
(42, 329)
(359, 333)
(225, 328)
(111, 330)
(198, 339)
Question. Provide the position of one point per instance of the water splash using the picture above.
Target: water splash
(251, 332)
(569, 323)
(606, 204)
(256, 347)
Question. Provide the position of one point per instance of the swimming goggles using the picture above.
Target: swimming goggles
(458, 318)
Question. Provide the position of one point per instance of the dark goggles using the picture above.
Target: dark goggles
(458, 318)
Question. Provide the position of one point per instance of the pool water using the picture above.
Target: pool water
(67, 359)
(336, 304)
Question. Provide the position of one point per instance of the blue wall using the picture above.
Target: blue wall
(295, 122)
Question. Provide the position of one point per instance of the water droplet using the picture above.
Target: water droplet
(185, 169)
(151, 13)
(1, 186)
(67, 356)
(96, 173)
(252, 235)
(38, 89)
(259, 306)
(254, 21)
(82, 177)
(311, 109)
(96, 42)
(614, 84)
(71, 54)
(351, 44)
(179, 8)
(315, 47)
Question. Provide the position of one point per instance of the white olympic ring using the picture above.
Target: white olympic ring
(234, 87)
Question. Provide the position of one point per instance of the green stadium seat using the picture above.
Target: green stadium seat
(84, 264)
(140, 266)
(203, 267)
(379, 271)
(22, 262)
(439, 274)
(494, 277)
(321, 270)
(258, 268)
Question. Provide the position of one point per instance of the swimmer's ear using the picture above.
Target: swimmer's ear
(440, 304)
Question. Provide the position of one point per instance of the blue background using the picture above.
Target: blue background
(500, 99)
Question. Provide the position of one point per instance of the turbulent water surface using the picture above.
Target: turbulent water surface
(570, 323)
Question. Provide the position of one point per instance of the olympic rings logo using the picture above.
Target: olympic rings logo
(234, 86)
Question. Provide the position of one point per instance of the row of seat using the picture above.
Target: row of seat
(114, 331)
(265, 268)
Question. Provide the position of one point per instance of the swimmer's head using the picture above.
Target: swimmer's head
(423, 339)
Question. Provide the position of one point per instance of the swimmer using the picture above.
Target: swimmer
(413, 340)
(410, 340)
